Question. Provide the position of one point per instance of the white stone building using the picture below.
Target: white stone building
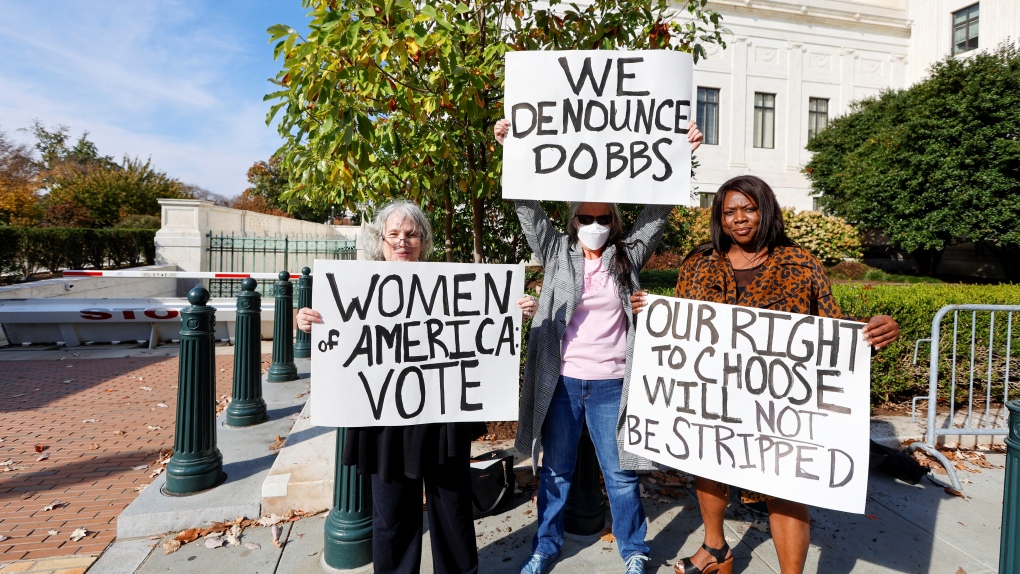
(790, 66)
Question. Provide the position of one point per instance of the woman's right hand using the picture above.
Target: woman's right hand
(528, 306)
(637, 301)
(501, 129)
(305, 318)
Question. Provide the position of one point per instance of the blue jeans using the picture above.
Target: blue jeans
(597, 402)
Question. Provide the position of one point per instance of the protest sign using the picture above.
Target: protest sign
(598, 125)
(413, 343)
(765, 400)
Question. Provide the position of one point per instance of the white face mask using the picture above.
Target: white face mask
(593, 236)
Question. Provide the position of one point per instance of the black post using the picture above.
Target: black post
(303, 342)
(585, 511)
(283, 368)
(246, 406)
(1009, 550)
(196, 464)
(347, 535)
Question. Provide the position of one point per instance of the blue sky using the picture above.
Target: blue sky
(180, 81)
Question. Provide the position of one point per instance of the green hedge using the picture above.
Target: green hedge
(894, 377)
(28, 250)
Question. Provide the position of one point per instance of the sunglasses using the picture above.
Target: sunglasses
(589, 219)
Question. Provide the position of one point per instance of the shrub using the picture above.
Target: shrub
(848, 270)
(28, 250)
(139, 222)
(828, 237)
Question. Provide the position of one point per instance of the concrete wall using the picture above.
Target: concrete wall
(183, 236)
(94, 287)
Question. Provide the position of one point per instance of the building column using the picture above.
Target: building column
(796, 107)
(736, 135)
(846, 78)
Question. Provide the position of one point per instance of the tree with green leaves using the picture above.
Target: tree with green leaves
(19, 183)
(934, 165)
(387, 98)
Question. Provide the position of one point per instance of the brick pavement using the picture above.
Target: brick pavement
(98, 419)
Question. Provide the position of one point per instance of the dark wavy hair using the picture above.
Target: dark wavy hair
(771, 229)
(621, 265)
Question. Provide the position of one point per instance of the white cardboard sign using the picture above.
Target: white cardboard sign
(598, 125)
(414, 343)
(770, 401)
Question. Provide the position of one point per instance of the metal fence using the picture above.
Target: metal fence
(240, 253)
(971, 373)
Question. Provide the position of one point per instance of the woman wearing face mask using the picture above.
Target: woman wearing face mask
(577, 364)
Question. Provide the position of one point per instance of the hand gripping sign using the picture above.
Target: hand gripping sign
(598, 125)
(769, 401)
(414, 343)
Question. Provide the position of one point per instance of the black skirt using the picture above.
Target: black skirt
(391, 452)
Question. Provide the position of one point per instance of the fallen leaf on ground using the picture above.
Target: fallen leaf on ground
(961, 571)
(162, 405)
(42, 457)
(53, 505)
(17, 395)
(52, 533)
(252, 545)
(213, 542)
(299, 395)
(233, 537)
(119, 433)
(189, 535)
(2, 538)
(27, 495)
(7, 462)
(140, 467)
(107, 390)
(155, 427)
(88, 420)
(40, 447)
(145, 388)
(141, 488)
(871, 516)
(269, 520)
(156, 472)
(607, 536)
(953, 491)
(78, 534)
(277, 443)
(171, 546)
(66, 381)
(94, 446)
(276, 536)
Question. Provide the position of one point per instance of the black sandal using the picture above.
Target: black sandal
(722, 564)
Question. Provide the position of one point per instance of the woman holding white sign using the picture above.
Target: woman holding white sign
(403, 459)
(577, 365)
(751, 262)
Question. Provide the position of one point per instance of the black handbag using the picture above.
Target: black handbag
(492, 482)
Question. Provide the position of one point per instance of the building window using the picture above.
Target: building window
(965, 29)
(708, 114)
(706, 199)
(818, 116)
(764, 120)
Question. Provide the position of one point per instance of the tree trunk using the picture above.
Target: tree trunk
(448, 227)
(477, 217)
(927, 261)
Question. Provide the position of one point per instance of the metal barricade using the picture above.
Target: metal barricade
(974, 369)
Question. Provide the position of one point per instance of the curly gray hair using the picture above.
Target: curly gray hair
(372, 240)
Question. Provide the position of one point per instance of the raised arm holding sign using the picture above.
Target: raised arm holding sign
(734, 363)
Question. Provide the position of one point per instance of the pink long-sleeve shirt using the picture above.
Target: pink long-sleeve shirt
(595, 341)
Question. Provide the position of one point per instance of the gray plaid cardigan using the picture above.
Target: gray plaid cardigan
(561, 290)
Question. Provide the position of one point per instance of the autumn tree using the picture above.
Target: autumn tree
(386, 98)
(19, 184)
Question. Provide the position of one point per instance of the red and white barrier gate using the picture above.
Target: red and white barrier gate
(77, 321)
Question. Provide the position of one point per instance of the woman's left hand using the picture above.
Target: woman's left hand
(694, 135)
(881, 330)
(528, 306)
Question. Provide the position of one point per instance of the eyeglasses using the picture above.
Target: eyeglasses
(589, 219)
(410, 240)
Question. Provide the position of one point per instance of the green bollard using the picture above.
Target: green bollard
(196, 464)
(283, 368)
(348, 532)
(246, 406)
(585, 510)
(1009, 549)
(303, 342)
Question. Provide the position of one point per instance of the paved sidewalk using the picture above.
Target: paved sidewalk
(100, 415)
